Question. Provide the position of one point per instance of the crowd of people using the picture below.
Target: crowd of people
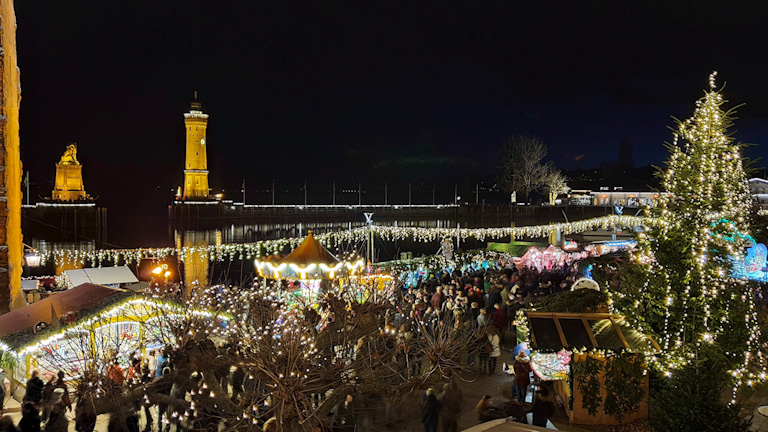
(46, 404)
(483, 301)
(480, 301)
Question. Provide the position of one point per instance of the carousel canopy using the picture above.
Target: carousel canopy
(310, 251)
(310, 260)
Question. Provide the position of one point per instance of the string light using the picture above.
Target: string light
(240, 251)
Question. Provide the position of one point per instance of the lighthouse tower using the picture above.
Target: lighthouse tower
(196, 165)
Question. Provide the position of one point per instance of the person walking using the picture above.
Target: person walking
(485, 349)
(452, 400)
(61, 383)
(45, 401)
(430, 410)
(344, 415)
(522, 368)
(492, 334)
(499, 319)
(34, 388)
(30, 417)
(57, 417)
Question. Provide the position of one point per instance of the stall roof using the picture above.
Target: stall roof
(101, 276)
(556, 331)
(504, 425)
(515, 248)
(82, 297)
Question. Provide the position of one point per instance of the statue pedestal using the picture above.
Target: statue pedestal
(69, 183)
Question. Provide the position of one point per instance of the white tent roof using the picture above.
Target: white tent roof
(503, 425)
(101, 276)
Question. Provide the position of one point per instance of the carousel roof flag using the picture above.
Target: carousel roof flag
(310, 260)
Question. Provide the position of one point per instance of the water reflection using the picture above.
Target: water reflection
(252, 232)
(197, 266)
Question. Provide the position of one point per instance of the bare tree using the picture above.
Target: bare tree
(241, 356)
(520, 163)
(555, 182)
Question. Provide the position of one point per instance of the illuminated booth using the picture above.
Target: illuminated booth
(307, 266)
(561, 343)
(79, 325)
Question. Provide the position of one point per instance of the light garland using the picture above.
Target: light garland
(104, 316)
(249, 251)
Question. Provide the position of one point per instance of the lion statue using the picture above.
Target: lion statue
(70, 156)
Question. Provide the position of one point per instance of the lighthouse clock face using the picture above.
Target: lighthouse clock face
(202, 141)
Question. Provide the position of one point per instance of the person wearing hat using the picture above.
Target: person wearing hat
(522, 368)
(57, 417)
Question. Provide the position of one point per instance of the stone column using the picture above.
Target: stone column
(11, 251)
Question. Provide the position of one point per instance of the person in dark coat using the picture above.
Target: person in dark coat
(62, 384)
(499, 319)
(30, 417)
(522, 368)
(452, 400)
(543, 406)
(437, 299)
(430, 410)
(344, 416)
(34, 388)
(6, 424)
(85, 414)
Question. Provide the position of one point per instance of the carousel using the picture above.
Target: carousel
(308, 267)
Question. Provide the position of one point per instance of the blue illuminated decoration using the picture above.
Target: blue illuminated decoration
(731, 238)
(620, 244)
(588, 271)
(753, 265)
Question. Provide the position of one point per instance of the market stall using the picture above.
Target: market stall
(564, 344)
(67, 330)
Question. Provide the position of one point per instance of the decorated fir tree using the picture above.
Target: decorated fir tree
(680, 287)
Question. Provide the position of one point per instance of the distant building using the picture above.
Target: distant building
(615, 197)
(759, 189)
(196, 166)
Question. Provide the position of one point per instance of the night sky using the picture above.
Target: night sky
(364, 90)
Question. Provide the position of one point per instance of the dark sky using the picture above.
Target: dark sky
(366, 90)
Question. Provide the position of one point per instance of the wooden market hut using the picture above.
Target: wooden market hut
(555, 332)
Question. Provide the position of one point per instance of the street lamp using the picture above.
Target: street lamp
(32, 259)
(32, 256)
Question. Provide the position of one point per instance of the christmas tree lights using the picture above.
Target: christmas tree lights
(689, 299)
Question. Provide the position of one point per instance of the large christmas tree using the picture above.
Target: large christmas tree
(680, 286)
